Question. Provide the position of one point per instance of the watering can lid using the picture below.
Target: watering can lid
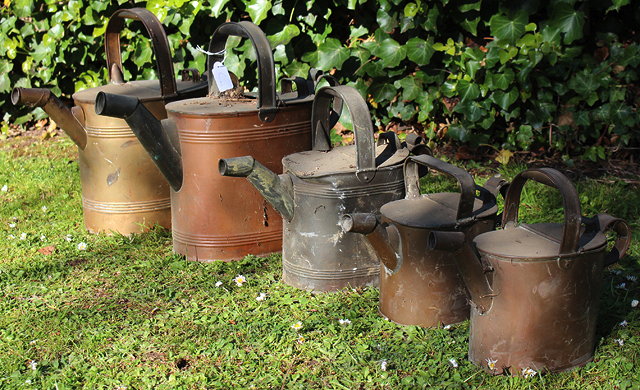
(314, 163)
(145, 90)
(435, 211)
(533, 241)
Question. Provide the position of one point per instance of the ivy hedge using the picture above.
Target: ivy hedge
(555, 76)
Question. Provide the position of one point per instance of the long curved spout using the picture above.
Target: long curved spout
(58, 111)
(384, 240)
(276, 189)
(149, 131)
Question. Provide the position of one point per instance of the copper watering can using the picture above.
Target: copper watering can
(535, 287)
(214, 218)
(419, 280)
(320, 185)
(122, 190)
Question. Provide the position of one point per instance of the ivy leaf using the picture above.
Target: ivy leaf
(217, 6)
(472, 110)
(419, 50)
(23, 8)
(504, 156)
(403, 111)
(458, 132)
(410, 10)
(285, 36)
(5, 81)
(617, 4)
(331, 54)
(382, 92)
(258, 9)
(467, 90)
(584, 83)
(297, 68)
(568, 20)
(390, 52)
(471, 25)
(499, 80)
(506, 29)
(473, 6)
(411, 88)
(505, 99)
(386, 20)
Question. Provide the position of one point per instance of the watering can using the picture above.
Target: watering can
(214, 218)
(419, 280)
(320, 185)
(535, 287)
(122, 190)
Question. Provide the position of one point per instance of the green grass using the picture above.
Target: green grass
(126, 312)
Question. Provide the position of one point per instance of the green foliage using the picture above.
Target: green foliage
(516, 75)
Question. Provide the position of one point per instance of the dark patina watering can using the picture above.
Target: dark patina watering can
(214, 218)
(122, 190)
(535, 287)
(419, 280)
(320, 185)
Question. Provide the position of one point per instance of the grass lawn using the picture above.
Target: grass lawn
(127, 313)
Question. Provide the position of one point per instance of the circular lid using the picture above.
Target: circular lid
(533, 241)
(221, 105)
(342, 159)
(145, 90)
(434, 211)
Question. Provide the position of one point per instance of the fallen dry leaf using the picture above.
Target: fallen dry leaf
(47, 250)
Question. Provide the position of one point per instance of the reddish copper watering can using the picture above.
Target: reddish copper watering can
(535, 288)
(419, 280)
(215, 218)
(320, 185)
(122, 190)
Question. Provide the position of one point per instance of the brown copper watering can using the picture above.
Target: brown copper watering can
(215, 218)
(320, 185)
(122, 190)
(419, 280)
(535, 287)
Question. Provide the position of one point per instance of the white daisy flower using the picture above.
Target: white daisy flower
(491, 363)
(383, 365)
(634, 303)
(218, 283)
(631, 278)
(33, 365)
(4, 188)
(528, 372)
(623, 323)
(11, 237)
(261, 297)
(297, 325)
(453, 362)
(12, 225)
(43, 237)
(620, 342)
(344, 321)
(23, 236)
(68, 238)
(240, 280)
(621, 285)
(82, 246)
(44, 209)
(446, 327)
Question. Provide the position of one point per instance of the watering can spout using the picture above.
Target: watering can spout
(56, 109)
(276, 189)
(149, 130)
(384, 240)
(472, 270)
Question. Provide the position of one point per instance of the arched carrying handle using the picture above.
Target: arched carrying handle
(360, 118)
(159, 42)
(570, 201)
(605, 222)
(465, 180)
(266, 69)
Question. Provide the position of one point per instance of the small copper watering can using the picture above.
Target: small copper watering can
(419, 280)
(535, 287)
(320, 185)
(122, 190)
(215, 218)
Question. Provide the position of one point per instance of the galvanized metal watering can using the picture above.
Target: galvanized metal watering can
(122, 190)
(535, 287)
(214, 218)
(419, 280)
(320, 185)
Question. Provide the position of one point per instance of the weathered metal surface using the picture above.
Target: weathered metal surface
(317, 255)
(215, 218)
(419, 280)
(122, 190)
(537, 286)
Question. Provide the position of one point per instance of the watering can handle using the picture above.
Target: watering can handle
(360, 117)
(266, 68)
(570, 200)
(159, 41)
(467, 185)
(606, 222)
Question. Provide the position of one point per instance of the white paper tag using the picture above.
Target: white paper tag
(221, 76)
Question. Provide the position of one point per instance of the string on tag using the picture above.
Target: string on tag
(218, 53)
